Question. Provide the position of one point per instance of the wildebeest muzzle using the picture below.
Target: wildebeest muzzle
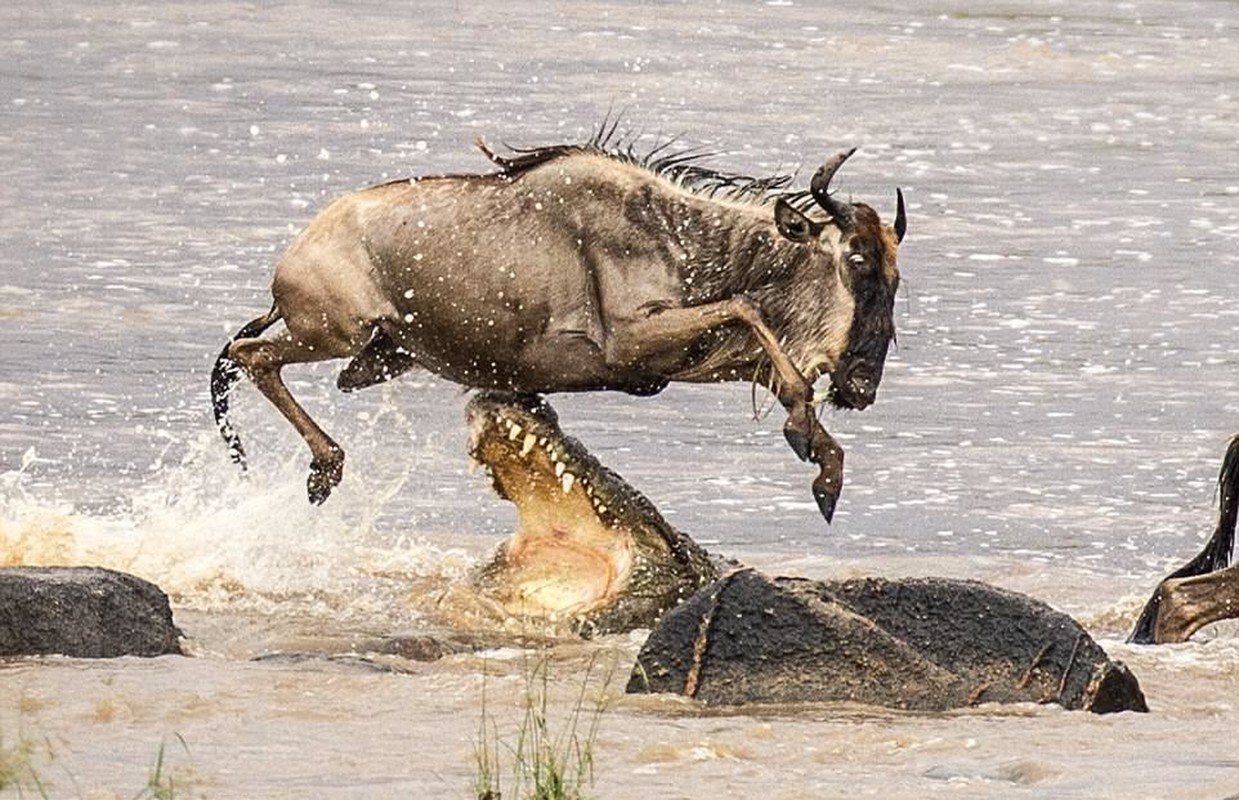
(854, 384)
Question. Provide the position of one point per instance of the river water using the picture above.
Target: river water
(1051, 421)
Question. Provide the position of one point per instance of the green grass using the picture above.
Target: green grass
(549, 760)
(160, 783)
(18, 773)
(21, 760)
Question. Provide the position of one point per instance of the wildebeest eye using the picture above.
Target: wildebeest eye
(856, 260)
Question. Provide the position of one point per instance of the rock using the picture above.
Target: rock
(422, 647)
(921, 644)
(85, 612)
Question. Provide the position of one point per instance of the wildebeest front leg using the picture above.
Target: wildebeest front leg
(671, 330)
(819, 447)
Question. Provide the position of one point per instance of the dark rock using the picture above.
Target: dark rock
(86, 612)
(345, 662)
(924, 644)
(424, 647)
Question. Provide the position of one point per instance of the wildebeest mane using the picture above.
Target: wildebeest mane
(681, 165)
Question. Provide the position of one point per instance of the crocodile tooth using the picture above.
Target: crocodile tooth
(514, 431)
(602, 509)
(567, 481)
(530, 440)
(559, 468)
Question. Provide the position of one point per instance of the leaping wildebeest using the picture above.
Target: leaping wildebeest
(583, 267)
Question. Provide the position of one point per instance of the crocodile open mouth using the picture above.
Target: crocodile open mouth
(587, 544)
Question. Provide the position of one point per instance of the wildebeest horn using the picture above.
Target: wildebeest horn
(901, 217)
(820, 188)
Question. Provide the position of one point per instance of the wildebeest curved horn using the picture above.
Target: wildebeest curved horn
(901, 217)
(820, 188)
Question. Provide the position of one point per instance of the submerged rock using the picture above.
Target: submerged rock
(925, 644)
(86, 612)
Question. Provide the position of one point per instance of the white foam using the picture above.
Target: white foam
(211, 537)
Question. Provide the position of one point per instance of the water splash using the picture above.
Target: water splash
(214, 539)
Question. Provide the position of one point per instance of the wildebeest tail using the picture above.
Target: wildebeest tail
(1216, 553)
(226, 374)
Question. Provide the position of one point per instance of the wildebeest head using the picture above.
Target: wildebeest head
(853, 241)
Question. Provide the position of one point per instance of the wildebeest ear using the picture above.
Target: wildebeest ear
(794, 224)
(901, 217)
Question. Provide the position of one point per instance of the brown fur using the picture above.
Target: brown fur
(574, 269)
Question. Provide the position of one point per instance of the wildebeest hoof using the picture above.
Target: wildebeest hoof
(798, 441)
(325, 475)
(826, 502)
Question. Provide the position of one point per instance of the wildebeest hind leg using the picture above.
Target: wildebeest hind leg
(263, 359)
(380, 360)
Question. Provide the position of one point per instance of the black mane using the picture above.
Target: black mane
(681, 166)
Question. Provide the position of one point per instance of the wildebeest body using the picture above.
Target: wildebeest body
(479, 277)
(572, 269)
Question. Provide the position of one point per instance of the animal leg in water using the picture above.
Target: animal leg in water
(263, 359)
(671, 330)
(1203, 590)
(1185, 605)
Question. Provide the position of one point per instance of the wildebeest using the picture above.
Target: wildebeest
(582, 267)
(1205, 589)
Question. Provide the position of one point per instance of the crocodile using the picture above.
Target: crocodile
(593, 552)
(589, 550)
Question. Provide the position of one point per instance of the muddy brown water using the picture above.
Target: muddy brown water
(1051, 420)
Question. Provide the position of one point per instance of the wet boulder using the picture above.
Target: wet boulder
(927, 644)
(86, 612)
